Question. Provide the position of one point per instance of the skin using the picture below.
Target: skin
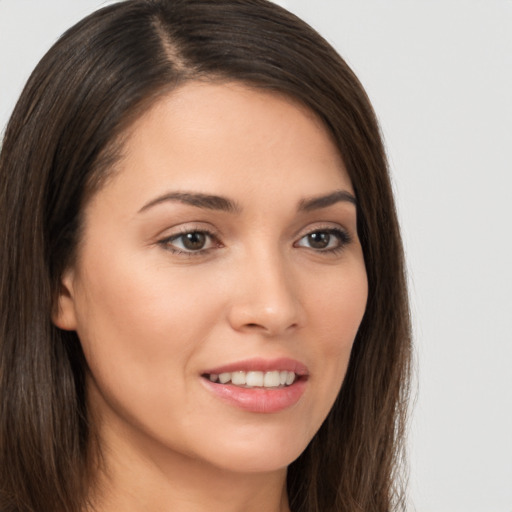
(151, 320)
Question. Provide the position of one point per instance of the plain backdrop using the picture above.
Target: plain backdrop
(439, 74)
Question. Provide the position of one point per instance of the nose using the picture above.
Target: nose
(265, 297)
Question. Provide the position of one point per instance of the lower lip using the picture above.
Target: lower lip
(259, 400)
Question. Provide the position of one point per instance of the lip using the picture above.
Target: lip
(259, 400)
(261, 365)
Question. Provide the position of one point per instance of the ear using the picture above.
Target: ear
(64, 313)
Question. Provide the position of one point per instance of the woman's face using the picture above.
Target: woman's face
(223, 250)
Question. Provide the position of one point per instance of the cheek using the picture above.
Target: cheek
(143, 309)
(139, 326)
(140, 332)
(338, 308)
(336, 313)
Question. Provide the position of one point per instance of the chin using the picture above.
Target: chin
(255, 452)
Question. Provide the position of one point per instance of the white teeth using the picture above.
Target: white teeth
(224, 377)
(238, 378)
(290, 378)
(271, 380)
(255, 379)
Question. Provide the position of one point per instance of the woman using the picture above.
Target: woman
(203, 300)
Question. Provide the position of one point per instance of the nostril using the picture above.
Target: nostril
(267, 328)
(269, 315)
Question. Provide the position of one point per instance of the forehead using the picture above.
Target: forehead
(228, 138)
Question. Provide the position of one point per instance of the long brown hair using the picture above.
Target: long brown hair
(64, 135)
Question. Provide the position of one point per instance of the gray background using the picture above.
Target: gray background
(439, 74)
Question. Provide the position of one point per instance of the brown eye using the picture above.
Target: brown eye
(191, 242)
(319, 240)
(325, 240)
(194, 241)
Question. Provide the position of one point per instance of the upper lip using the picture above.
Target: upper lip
(261, 365)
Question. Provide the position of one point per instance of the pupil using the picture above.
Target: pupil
(194, 241)
(319, 240)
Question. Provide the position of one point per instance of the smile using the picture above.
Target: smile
(258, 385)
(255, 379)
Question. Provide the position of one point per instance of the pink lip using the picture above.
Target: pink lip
(261, 365)
(259, 400)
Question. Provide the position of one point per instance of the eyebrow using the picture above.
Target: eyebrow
(318, 202)
(207, 201)
(213, 202)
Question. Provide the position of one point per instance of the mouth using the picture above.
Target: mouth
(275, 379)
(258, 385)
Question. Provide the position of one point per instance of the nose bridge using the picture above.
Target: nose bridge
(267, 297)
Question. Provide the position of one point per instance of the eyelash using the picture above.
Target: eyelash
(167, 242)
(342, 236)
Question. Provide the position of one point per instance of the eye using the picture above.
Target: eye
(190, 242)
(325, 240)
